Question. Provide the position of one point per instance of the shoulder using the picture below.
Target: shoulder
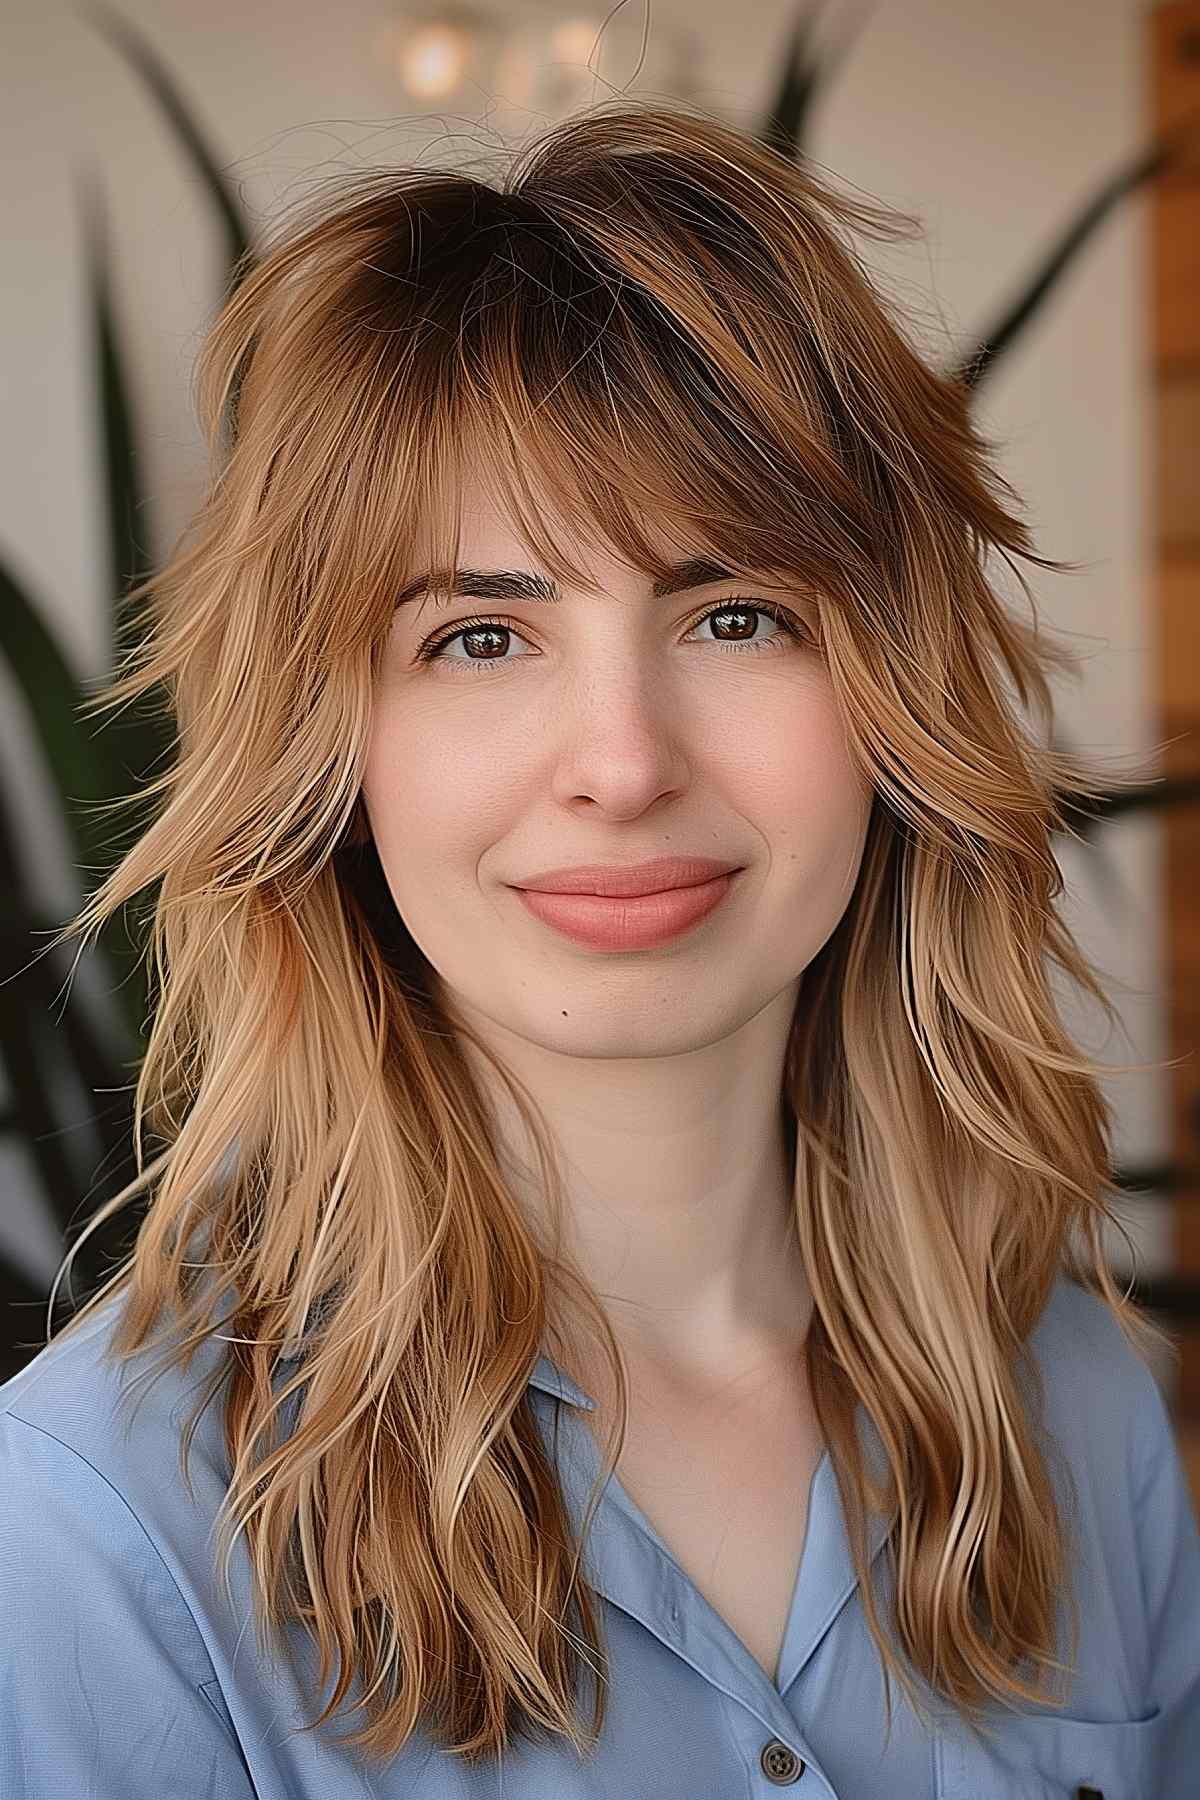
(1128, 1495)
(1140, 1535)
(1103, 1407)
(1102, 1398)
(1084, 1356)
(92, 1477)
(121, 1418)
(113, 1627)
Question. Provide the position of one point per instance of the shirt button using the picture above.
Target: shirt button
(780, 1764)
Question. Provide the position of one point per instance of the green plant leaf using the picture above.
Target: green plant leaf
(52, 1047)
(79, 762)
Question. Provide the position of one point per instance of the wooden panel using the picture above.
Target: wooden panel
(1175, 242)
(1179, 645)
(1177, 464)
(1182, 983)
(1173, 66)
(1176, 258)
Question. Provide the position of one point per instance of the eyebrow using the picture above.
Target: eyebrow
(520, 584)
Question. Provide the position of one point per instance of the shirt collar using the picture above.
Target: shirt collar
(551, 1380)
(546, 1375)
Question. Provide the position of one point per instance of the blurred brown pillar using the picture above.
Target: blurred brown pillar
(1174, 327)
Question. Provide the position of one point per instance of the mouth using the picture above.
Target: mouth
(617, 922)
(616, 881)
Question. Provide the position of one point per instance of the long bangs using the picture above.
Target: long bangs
(565, 386)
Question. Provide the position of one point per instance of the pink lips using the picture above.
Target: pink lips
(630, 921)
(623, 879)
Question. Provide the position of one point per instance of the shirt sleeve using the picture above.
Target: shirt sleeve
(101, 1659)
(1169, 1541)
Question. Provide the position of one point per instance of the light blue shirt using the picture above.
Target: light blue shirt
(125, 1674)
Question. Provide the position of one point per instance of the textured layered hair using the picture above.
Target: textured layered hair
(660, 319)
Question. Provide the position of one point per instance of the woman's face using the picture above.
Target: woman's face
(610, 727)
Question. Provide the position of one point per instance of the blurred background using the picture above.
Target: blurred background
(1053, 154)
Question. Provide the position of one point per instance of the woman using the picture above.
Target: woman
(677, 1281)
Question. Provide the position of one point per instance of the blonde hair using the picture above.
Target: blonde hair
(668, 321)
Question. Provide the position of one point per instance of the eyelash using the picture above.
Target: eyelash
(429, 651)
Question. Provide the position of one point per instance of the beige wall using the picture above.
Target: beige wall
(990, 122)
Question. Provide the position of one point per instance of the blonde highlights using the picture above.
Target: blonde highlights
(664, 320)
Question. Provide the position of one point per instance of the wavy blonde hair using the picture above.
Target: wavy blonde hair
(668, 321)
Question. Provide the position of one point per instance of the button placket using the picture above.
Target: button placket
(780, 1764)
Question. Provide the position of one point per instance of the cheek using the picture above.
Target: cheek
(813, 807)
(429, 797)
(799, 763)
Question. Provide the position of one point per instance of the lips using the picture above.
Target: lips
(618, 881)
(628, 921)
